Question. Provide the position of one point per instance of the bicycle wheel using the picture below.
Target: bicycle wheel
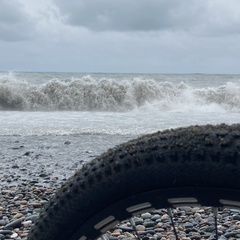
(197, 165)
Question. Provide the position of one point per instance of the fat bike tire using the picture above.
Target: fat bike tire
(196, 165)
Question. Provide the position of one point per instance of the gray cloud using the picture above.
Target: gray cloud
(15, 24)
(120, 35)
(131, 15)
(206, 18)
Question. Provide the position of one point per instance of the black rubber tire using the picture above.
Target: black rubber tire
(186, 166)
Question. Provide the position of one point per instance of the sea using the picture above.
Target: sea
(69, 118)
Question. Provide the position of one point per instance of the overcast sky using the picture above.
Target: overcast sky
(148, 36)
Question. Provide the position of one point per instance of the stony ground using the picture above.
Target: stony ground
(32, 169)
(20, 205)
(190, 223)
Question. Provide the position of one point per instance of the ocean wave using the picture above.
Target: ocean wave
(88, 94)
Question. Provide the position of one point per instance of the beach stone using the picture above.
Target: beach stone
(146, 215)
(32, 218)
(231, 234)
(236, 217)
(171, 237)
(15, 166)
(14, 235)
(23, 202)
(186, 209)
(188, 225)
(2, 222)
(222, 238)
(198, 216)
(140, 228)
(112, 237)
(35, 204)
(158, 229)
(155, 217)
(27, 223)
(210, 229)
(196, 237)
(14, 224)
(129, 235)
(5, 232)
(116, 232)
(138, 220)
(141, 232)
(126, 228)
(152, 232)
(17, 215)
(23, 235)
(148, 224)
(158, 236)
(165, 218)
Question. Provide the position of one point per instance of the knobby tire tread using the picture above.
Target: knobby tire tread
(193, 157)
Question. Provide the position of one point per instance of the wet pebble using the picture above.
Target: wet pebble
(21, 199)
(195, 225)
(146, 215)
(20, 204)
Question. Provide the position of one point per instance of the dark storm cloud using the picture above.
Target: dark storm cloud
(15, 24)
(132, 15)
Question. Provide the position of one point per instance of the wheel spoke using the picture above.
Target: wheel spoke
(134, 227)
(215, 212)
(171, 218)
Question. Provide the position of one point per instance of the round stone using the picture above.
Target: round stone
(236, 217)
(149, 224)
(140, 228)
(155, 217)
(146, 215)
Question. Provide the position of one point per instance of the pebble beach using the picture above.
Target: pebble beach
(191, 223)
(33, 168)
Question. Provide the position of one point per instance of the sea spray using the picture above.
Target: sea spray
(89, 94)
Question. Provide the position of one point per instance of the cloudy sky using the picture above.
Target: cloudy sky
(149, 36)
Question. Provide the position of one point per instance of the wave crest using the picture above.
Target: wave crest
(88, 94)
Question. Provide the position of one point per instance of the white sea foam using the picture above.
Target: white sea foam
(89, 94)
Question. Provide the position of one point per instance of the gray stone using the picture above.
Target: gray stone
(155, 217)
(125, 228)
(6, 232)
(236, 217)
(2, 222)
(231, 234)
(222, 238)
(149, 224)
(14, 224)
(210, 229)
(137, 220)
(32, 218)
(146, 215)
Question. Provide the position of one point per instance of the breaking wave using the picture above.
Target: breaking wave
(88, 94)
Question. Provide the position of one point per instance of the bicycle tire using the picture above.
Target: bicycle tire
(184, 166)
